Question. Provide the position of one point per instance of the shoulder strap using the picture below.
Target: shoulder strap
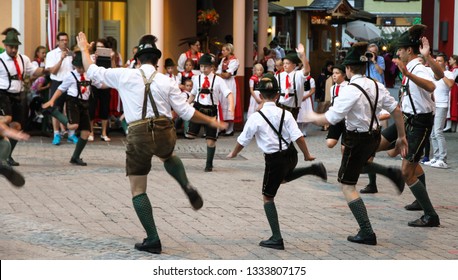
(374, 106)
(211, 89)
(148, 93)
(295, 91)
(80, 95)
(23, 66)
(278, 132)
(407, 88)
(8, 72)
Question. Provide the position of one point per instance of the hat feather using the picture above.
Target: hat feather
(416, 32)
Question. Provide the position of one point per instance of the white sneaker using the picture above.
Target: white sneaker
(90, 138)
(431, 162)
(439, 164)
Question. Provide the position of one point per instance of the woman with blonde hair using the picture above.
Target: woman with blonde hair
(227, 70)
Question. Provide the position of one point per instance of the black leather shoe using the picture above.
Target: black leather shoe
(320, 171)
(395, 175)
(414, 206)
(425, 221)
(274, 244)
(359, 238)
(194, 197)
(12, 162)
(208, 168)
(12, 175)
(369, 189)
(153, 247)
(78, 161)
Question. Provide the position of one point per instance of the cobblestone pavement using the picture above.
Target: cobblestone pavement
(72, 212)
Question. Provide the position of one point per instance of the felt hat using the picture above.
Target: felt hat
(268, 83)
(356, 55)
(11, 38)
(77, 59)
(206, 59)
(340, 67)
(412, 37)
(292, 56)
(169, 62)
(4, 32)
(147, 44)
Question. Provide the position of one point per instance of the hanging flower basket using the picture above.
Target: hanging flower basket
(207, 17)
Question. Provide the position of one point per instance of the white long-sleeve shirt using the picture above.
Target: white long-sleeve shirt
(129, 83)
(266, 139)
(354, 106)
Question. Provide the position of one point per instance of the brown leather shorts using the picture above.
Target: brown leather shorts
(147, 138)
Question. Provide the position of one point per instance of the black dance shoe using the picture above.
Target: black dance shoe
(370, 239)
(425, 221)
(369, 189)
(153, 247)
(274, 244)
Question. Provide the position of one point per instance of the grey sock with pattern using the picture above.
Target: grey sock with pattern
(359, 211)
(419, 191)
(272, 217)
(144, 211)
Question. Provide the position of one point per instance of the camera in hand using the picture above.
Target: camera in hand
(369, 55)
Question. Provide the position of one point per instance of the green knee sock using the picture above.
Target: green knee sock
(422, 179)
(5, 149)
(210, 156)
(299, 172)
(419, 191)
(372, 179)
(79, 148)
(359, 211)
(144, 212)
(13, 143)
(174, 166)
(59, 116)
(374, 168)
(124, 125)
(272, 217)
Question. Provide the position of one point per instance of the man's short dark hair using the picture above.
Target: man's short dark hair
(61, 34)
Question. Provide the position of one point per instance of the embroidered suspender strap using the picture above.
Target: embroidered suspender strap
(373, 107)
(8, 72)
(294, 87)
(80, 96)
(79, 84)
(333, 95)
(211, 90)
(148, 93)
(407, 88)
(280, 137)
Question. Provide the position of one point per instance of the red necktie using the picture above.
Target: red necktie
(18, 70)
(288, 85)
(206, 83)
(170, 75)
(337, 90)
(83, 88)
